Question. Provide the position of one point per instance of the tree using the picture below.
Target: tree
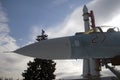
(40, 69)
(43, 36)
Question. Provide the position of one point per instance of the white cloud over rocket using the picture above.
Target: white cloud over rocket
(106, 12)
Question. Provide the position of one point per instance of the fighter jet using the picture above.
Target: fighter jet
(93, 43)
(82, 45)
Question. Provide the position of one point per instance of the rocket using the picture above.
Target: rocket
(86, 18)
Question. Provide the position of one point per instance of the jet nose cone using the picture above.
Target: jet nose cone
(59, 48)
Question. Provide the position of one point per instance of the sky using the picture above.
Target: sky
(22, 20)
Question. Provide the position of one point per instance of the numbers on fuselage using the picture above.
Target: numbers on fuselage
(98, 38)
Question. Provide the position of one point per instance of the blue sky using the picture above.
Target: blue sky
(22, 20)
(23, 14)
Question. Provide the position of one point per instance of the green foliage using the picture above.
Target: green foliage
(40, 69)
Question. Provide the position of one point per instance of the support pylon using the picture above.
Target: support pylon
(89, 64)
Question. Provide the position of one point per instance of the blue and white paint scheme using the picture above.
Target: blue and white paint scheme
(93, 45)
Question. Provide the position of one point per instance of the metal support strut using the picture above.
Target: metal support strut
(113, 70)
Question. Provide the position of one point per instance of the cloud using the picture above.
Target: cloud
(106, 12)
(114, 22)
(66, 68)
(73, 23)
(11, 64)
(5, 39)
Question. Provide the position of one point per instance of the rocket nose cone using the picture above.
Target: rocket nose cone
(85, 9)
